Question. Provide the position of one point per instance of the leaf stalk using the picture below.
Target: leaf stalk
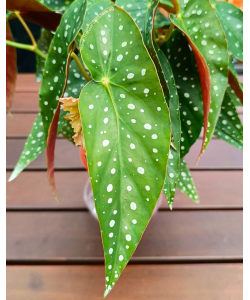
(80, 66)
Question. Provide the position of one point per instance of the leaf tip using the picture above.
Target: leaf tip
(170, 206)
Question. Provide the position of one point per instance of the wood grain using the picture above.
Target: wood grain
(62, 235)
(172, 282)
(35, 192)
(27, 83)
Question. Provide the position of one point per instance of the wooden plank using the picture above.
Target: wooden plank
(27, 83)
(172, 282)
(25, 102)
(66, 235)
(219, 155)
(215, 189)
(19, 125)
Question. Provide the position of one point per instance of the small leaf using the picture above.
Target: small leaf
(185, 183)
(34, 11)
(197, 20)
(126, 128)
(187, 80)
(160, 20)
(43, 44)
(229, 127)
(58, 5)
(53, 82)
(11, 69)
(71, 105)
(233, 80)
(34, 146)
(231, 19)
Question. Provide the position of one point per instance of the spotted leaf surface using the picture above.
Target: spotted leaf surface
(43, 44)
(185, 183)
(231, 18)
(126, 128)
(53, 81)
(94, 8)
(34, 146)
(233, 80)
(172, 99)
(187, 81)
(234, 98)
(229, 127)
(58, 5)
(11, 68)
(198, 21)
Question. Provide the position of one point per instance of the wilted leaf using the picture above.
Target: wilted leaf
(71, 105)
(43, 44)
(34, 146)
(187, 81)
(11, 68)
(233, 80)
(36, 12)
(185, 183)
(229, 127)
(126, 128)
(197, 20)
(231, 19)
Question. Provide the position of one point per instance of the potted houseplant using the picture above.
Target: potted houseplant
(132, 84)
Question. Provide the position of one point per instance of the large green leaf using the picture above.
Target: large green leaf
(53, 81)
(126, 129)
(198, 21)
(229, 127)
(231, 18)
(43, 44)
(34, 146)
(185, 183)
(187, 80)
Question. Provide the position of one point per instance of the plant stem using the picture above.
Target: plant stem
(26, 28)
(26, 47)
(162, 39)
(80, 66)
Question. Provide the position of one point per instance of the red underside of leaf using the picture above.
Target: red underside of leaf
(84, 158)
(50, 151)
(205, 81)
(233, 82)
(11, 69)
(48, 20)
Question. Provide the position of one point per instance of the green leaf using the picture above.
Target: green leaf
(229, 127)
(160, 20)
(233, 80)
(126, 129)
(43, 44)
(11, 68)
(172, 100)
(94, 8)
(234, 98)
(185, 183)
(231, 18)
(57, 5)
(34, 146)
(187, 80)
(197, 20)
(53, 81)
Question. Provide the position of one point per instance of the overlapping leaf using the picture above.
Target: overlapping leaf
(187, 80)
(229, 127)
(11, 68)
(160, 20)
(57, 5)
(34, 11)
(167, 5)
(53, 81)
(126, 128)
(197, 20)
(185, 183)
(34, 146)
(233, 80)
(43, 44)
(231, 18)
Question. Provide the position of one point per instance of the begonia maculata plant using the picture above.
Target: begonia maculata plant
(132, 83)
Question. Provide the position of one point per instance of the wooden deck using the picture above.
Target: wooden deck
(55, 252)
